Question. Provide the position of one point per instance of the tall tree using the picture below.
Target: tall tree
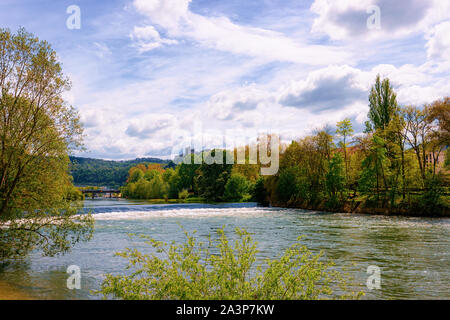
(438, 119)
(382, 103)
(37, 131)
(417, 133)
(335, 179)
(375, 168)
(212, 178)
(396, 131)
(187, 174)
(439, 113)
(345, 130)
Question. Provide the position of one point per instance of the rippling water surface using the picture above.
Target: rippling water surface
(413, 253)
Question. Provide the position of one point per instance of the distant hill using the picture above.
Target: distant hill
(98, 172)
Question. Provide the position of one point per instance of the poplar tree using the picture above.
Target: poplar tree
(382, 103)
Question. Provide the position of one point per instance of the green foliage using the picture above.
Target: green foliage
(367, 181)
(210, 181)
(212, 178)
(168, 174)
(259, 193)
(175, 186)
(158, 188)
(148, 175)
(73, 194)
(382, 103)
(389, 167)
(184, 194)
(187, 173)
(236, 187)
(344, 127)
(431, 200)
(150, 185)
(335, 178)
(222, 270)
(375, 169)
(287, 186)
(38, 129)
(345, 130)
(137, 175)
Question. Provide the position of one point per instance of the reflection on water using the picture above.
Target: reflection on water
(413, 253)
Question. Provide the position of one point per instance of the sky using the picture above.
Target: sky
(149, 75)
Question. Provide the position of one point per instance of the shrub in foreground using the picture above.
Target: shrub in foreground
(222, 270)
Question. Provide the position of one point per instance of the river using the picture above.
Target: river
(413, 254)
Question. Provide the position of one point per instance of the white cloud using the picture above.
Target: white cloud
(329, 88)
(148, 38)
(149, 125)
(167, 13)
(226, 105)
(422, 94)
(222, 34)
(131, 116)
(102, 50)
(438, 45)
(347, 19)
(341, 87)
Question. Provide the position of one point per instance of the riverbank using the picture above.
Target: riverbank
(10, 292)
(360, 207)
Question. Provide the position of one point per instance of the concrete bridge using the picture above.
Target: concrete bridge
(94, 192)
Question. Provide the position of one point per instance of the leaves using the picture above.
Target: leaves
(37, 131)
(382, 103)
(222, 270)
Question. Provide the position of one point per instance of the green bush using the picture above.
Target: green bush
(183, 194)
(150, 174)
(191, 271)
(236, 187)
(259, 193)
(288, 186)
(430, 201)
(157, 188)
(335, 177)
(211, 179)
(73, 194)
(137, 175)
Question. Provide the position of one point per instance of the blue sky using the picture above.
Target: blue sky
(148, 73)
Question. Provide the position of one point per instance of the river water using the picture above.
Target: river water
(413, 254)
